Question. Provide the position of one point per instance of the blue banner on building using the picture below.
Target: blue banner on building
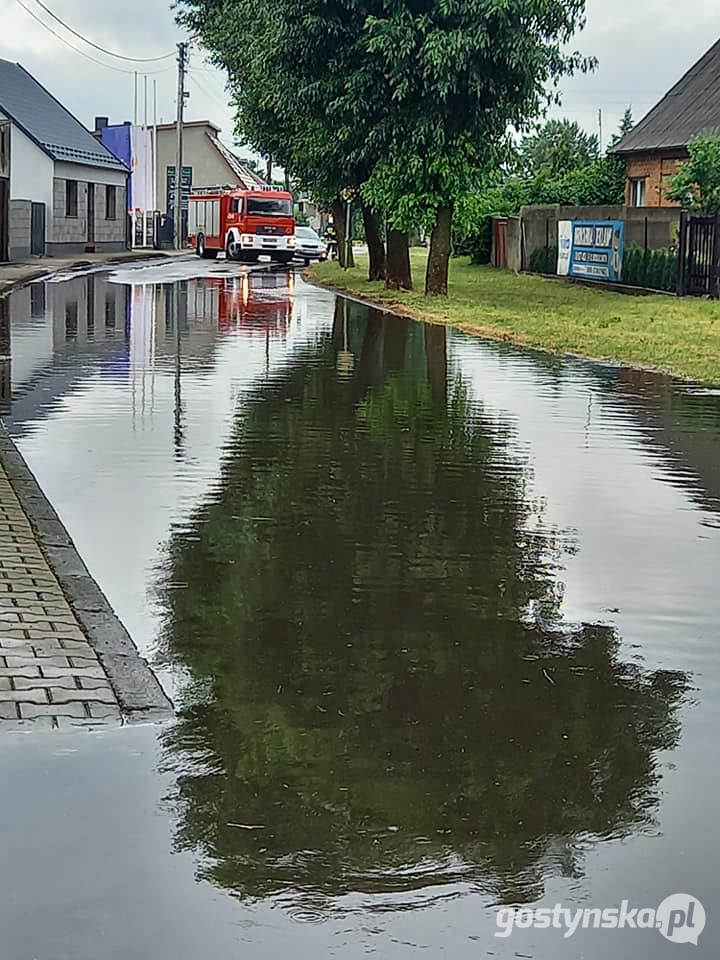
(591, 249)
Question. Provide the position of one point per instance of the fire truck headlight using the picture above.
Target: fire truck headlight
(291, 241)
(247, 240)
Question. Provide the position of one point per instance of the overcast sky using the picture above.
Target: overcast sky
(643, 47)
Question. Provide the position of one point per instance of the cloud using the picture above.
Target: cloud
(643, 48)
(88, 89)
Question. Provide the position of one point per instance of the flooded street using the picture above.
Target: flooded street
(439, 617)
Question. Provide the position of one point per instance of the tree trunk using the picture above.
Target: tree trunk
(436, 360)
(436, 277)
(398, 276)
(376, 244)
(338, 211)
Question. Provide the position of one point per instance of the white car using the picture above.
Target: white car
(309, 246)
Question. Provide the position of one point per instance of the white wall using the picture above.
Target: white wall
(87, 174)
(208, 165)
(31, 172)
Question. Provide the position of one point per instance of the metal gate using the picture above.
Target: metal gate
(37, 230)
(699, 256)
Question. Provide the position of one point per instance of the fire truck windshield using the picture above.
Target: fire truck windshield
(269, 207)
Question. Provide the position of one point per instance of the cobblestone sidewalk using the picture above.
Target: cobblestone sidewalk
(50, 676)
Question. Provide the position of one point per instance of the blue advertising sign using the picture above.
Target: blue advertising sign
(592, 249)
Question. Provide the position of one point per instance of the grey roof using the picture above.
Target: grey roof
(46, 121)
(246, 177)
(690, 108)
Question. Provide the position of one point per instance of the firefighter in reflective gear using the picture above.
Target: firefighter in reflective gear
(331, 240)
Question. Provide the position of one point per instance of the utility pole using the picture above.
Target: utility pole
(348, 229)
(154, 148)
(601, 130)
(177, 206)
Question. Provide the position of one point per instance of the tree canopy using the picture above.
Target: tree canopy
(696, 185)
(504, 192)
(407, 103)
(556, 149)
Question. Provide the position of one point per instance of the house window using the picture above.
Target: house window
(637, 192)
(110, 203)
(71, 198)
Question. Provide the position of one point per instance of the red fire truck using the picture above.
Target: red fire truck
(243, 223)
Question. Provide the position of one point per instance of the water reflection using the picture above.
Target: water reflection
(383, 697)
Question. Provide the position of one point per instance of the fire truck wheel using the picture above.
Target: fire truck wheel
(202, 250)
(232, 251)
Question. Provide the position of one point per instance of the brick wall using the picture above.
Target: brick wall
(655, 170)
(109, 231)
(19, 229)
(72, 232)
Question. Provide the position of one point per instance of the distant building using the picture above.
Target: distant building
(61, 192)
(655, 146)
(208, 162)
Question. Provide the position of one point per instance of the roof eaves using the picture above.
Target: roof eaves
(657, 148)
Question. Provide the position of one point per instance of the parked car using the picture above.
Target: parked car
(309, 246)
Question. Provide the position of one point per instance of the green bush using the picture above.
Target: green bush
(478, 245)
(655, 269)
(601, 182)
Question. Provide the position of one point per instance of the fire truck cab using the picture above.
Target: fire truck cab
(243, 223)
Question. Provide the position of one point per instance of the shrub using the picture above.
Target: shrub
(601, 182)
(655, 269)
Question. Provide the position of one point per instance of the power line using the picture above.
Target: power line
(118, 56)
(82, 53)
(207, 93)
(214, 82)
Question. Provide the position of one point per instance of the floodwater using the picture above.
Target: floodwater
(439, 617)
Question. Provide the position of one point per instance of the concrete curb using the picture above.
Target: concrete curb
(138, 690)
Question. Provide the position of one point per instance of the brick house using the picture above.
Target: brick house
(61, 191)
(655, 146)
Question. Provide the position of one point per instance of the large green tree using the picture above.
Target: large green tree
(299, 94)
(407, 101)
(557, 148)
(458, 73)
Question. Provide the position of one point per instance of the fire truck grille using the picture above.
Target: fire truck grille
(270, 230)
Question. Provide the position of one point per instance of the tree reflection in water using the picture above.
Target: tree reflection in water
(380, 680)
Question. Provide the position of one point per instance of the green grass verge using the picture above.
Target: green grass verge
(678, 336)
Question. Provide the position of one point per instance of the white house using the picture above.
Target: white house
(61, 190)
